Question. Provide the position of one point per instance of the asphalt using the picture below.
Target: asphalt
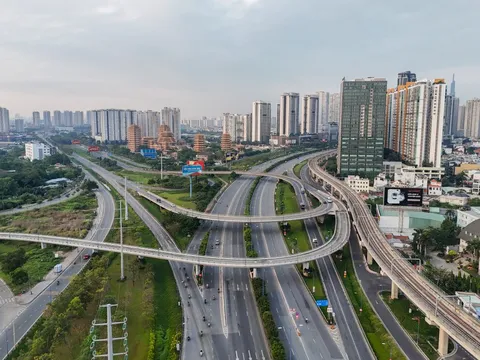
(26, 317)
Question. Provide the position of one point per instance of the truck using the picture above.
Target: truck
(57, 268)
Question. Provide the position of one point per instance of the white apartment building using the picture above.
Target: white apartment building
(288, 120)
(57, 118)
(334, 101)
(261, 121)
(247, 127)
(415, 120)
(357, 183)
(78, 118)
(310, 114)
(323, 110)
(465, 217)
(472, 118)
(47, 119)
(411, 175)
(36, 118)
(233, 125)
(36, 151)
(171, 117)
(4, 121)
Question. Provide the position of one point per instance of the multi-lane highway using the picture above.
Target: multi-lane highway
(430, 299)
(27, 316)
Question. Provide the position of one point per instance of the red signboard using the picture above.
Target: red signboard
(93, 148)
(196, 162)
(76, 142)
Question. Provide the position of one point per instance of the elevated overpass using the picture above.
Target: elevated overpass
(439, 310)
(339, 239)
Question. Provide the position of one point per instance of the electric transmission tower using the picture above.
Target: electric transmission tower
(110, 339)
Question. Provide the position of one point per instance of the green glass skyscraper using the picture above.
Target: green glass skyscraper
(361, 128)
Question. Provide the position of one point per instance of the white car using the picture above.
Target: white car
(314, 240)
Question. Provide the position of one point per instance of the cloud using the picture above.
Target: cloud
(214, 56)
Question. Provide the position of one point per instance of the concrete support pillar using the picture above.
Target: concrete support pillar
(394, 291)
(442, 342)
(196, 270)
(43, 245)
(369, 258)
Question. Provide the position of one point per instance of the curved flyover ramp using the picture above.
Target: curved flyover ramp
(339, 239)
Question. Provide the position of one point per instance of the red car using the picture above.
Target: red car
(86, 257)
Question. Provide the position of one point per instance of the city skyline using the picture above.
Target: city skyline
(50, 63)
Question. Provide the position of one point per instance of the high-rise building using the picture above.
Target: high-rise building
(472, 118)
(36, 118)
(91, 118)
(310, 114)
(19, 125)
(67, 118)
(451, 111)
(47, 119)
(288, 122)
(199, 143)
(414, 122)
(261, 121)
(277, 119)
(133, 138)
(78, 118)
(171, 117)
(247, 127)
(4, 121)
(110, 125)
(362, 121)
(36, 151)
(461, 121)
(232, 124)
(57, 118)
(323, 108)
(334, 108)
(406, 77)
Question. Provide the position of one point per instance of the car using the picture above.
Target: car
(86, 256)
(217, 242)
(314, 240)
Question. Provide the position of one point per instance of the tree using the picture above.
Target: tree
(474, 247)
(19, 276)
(75, 308)
(13, 260)
(90, 185)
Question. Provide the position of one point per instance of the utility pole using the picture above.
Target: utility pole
(190, 186)
(161, 165)
(122, 276)
(110, 339)
(126, 202)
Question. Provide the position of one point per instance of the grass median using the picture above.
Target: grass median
(297, 239)
(298, 168)
(380, 339)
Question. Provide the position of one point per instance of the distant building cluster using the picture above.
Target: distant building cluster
(111, 125)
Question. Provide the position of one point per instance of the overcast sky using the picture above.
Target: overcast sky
(213, 56)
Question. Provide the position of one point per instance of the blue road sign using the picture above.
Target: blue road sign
(149, 153)
(323, 302)
(191, 169)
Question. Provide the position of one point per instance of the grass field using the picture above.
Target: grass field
(180, 198)
(148, 297)
(297, 168)
(428, 338)
(72, 218)
(371, 324)
(138, 177)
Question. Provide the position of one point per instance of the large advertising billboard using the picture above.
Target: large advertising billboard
(402, 196)
(93, 148)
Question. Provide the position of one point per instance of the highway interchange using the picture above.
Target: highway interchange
(232, 335)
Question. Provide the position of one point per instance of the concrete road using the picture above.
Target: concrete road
(289, 299)
(26, 316)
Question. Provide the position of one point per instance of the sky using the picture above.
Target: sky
(208, 57)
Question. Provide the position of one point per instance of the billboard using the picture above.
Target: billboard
(196, 162)
(93, 148)
(75, 142)
(402, 196)
(191, 170)
(149, 153)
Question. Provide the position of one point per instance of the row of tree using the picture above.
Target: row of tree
(449, 282)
